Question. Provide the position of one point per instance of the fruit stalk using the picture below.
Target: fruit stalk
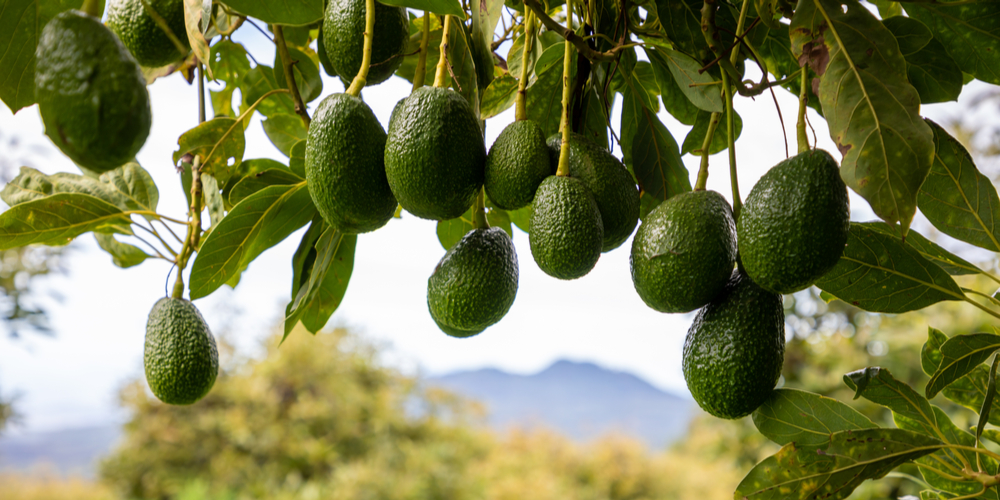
(563, 169)
(442, 66)
(91, 8)
(194, 228)
(521, 110)
(479, 211)
(731, 140)
(360, 80)
(420, 74)
(286, 63)
(800, 125)
(201, 94)
(713, 123)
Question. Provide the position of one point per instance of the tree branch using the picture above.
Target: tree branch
(286, 62)
(579, 42)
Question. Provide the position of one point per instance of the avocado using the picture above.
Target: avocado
(344, 41)
(517, 163)
(684, 252)
(180, 357)
(474, 284)
(435, 154)
(90, 92)
(614, 190)
(345, 166)
(149, 44)
(795, 222)
(566, 232)
(735, 348)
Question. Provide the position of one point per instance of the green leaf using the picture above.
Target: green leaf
(696, 86)
(791, 415)
(306, 74)
(833, 470)
(463, 65)
(674, 100)
(520, 218)
(656, 161)
(194, 15)
(680, 20)
(57, 219)
(123, 255)
(285, 130)
(222, 138)
(872, 110)
(452, 231)
(246, 168)
(970, 390)
(930, 353)
(439, 7)
(260, 180)
(696, 137)
(928, 66)
(329, 274)
(408, 67)
(485, 16)
(958, 199)
(290, 12)
(498, 97)
(544, 97)
(960, 355)
(259, 222)
(595, 117)
(129, 187)
(970, 33)
(642, 83)
(951, 263)
(212, 198)
(259, 81)
(297, 159)
(991, 392)
(515, 54)
(229, 62)
(878, 273)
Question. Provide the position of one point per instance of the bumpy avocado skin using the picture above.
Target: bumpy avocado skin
(517, 163)
(735, 349)
(474, 284)
(566, 232)
(343, 39)
(795, 222)
(90, 92)
(345, 165)
(615, 192)
(684, 252)
(181, 358)
(434, 154)
(150, 46)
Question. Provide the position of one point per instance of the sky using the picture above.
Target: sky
(71, 379)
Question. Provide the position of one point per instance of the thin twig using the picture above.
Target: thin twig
(287, 63)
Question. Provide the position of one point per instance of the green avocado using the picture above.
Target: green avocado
(566, 232)
(90, 92)
(345, 166)
(434, 154)
(180, 358)
(344, 41)
(474, 284)
(149, 44)
(795, 222)
(614, 190)
(735, 348)
(517, 163)
(684, 252)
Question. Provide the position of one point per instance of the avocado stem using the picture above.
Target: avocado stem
(194, 228)
(420, 74)
(567, 91)
(91, 8)
(479, 211)
(201, 94)
(286, 63)
(442, 67)
(361, 79)
(706, 145)
(800, 125)
(521, 110)
(734, 180)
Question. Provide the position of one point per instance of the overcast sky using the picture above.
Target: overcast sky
(72, 379)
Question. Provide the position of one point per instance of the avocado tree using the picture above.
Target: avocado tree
(864, 68)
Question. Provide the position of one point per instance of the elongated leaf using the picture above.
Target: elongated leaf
(970, 32)
(124, 255)
(878, 273)
(656, 160)
(222, 138)
(675, 101)
(544, 99)
(463, 65)
(970, 390)
(297, 159)
(791, 415)
(991, 392)
(959, 200)
(327, 266)
(951, 263)
(259, 222)
(833, 470)
(290, 12)
(212, 200)
(485, 16)
(128, 187)
(871, 108)
(284, 130)
(246, 168)
(498, 97)
(260, 180)
(696, 137)
(196, 20)
(439, 7)
(57, 219)
(681, 22)
(306, 74)
(641, 81)
(696, 86)
(928, 66)
(960, 355)
(452, 231)
(259, 81)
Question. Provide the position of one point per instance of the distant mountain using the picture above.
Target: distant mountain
(68, 451)
(581, 400)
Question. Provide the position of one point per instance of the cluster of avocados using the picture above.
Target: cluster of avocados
(791, 231)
